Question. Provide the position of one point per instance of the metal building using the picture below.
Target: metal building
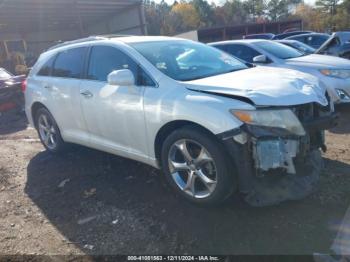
(238, 31)
(41, 23)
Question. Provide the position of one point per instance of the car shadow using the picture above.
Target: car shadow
(12, 122)
(343, 126)
(110, 205)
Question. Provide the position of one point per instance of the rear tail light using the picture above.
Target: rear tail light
(24, 85)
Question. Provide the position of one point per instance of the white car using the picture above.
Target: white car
(211, 123)
(333, 71)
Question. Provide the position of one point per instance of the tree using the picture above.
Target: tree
(277, 9)
(205, 12)
(329, 6)
(280, 9)
(341, 19)
(312, 18)
(186, 15)
(231, 13)
(155, 16)
(255, 8)
(182, 17)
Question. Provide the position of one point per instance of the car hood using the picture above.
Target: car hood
(264, 86)
(320, 61)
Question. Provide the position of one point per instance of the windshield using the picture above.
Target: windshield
(4, 74)
(279, 50)
(186, 60)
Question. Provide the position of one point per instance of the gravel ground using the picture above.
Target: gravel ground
(89, 202)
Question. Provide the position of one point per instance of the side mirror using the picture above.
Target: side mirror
(260, 59)
(123, 77)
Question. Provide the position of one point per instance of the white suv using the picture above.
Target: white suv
(212, 124)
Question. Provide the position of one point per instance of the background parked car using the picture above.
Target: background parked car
(314, 40)
(305, 49)
(11, 95)
(337, 45)
(288, 34)
(259, 36)
(333, 71)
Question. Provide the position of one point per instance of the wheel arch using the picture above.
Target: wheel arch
(170, 127)
(34, 109)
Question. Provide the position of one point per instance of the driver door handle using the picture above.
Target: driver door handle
(87, 94)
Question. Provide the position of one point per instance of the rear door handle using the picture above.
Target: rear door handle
(87, 94)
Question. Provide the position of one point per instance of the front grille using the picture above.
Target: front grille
(307, 112)
(311, 116)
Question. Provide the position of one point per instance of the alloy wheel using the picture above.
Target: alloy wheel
(192, 168)
(47, 131)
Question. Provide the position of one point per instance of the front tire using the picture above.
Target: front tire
(196, 166)
(49, 132)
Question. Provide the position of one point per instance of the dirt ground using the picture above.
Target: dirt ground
(89, 202)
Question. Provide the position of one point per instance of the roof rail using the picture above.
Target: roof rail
(87, 39)
(113, 35)
(82, 40)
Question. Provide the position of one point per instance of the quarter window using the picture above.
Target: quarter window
(70, 63)
(105, 59)
(46, 69)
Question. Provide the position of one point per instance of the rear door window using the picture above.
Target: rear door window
(70, 63)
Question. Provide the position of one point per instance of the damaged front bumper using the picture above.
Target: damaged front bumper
(274, 165)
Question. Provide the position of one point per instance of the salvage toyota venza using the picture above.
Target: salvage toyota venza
(213, 124)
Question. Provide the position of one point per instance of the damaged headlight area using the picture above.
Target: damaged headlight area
(276, 137)
(268, 132)
(338, 73)
(276, 151)
(277, 121)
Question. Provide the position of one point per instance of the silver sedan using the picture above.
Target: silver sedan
(334, 72)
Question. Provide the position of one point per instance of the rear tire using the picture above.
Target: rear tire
(49, 132)
(196, 166)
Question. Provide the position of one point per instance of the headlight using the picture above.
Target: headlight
(342, 94)
(339, 73)
(283, 118)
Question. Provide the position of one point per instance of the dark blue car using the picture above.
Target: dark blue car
(11, 95)
(314, 40)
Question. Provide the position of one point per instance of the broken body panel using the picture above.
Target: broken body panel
(274, 164)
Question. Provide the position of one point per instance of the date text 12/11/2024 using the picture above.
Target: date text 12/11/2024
(174, 258)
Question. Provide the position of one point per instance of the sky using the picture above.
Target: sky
(218, 2)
